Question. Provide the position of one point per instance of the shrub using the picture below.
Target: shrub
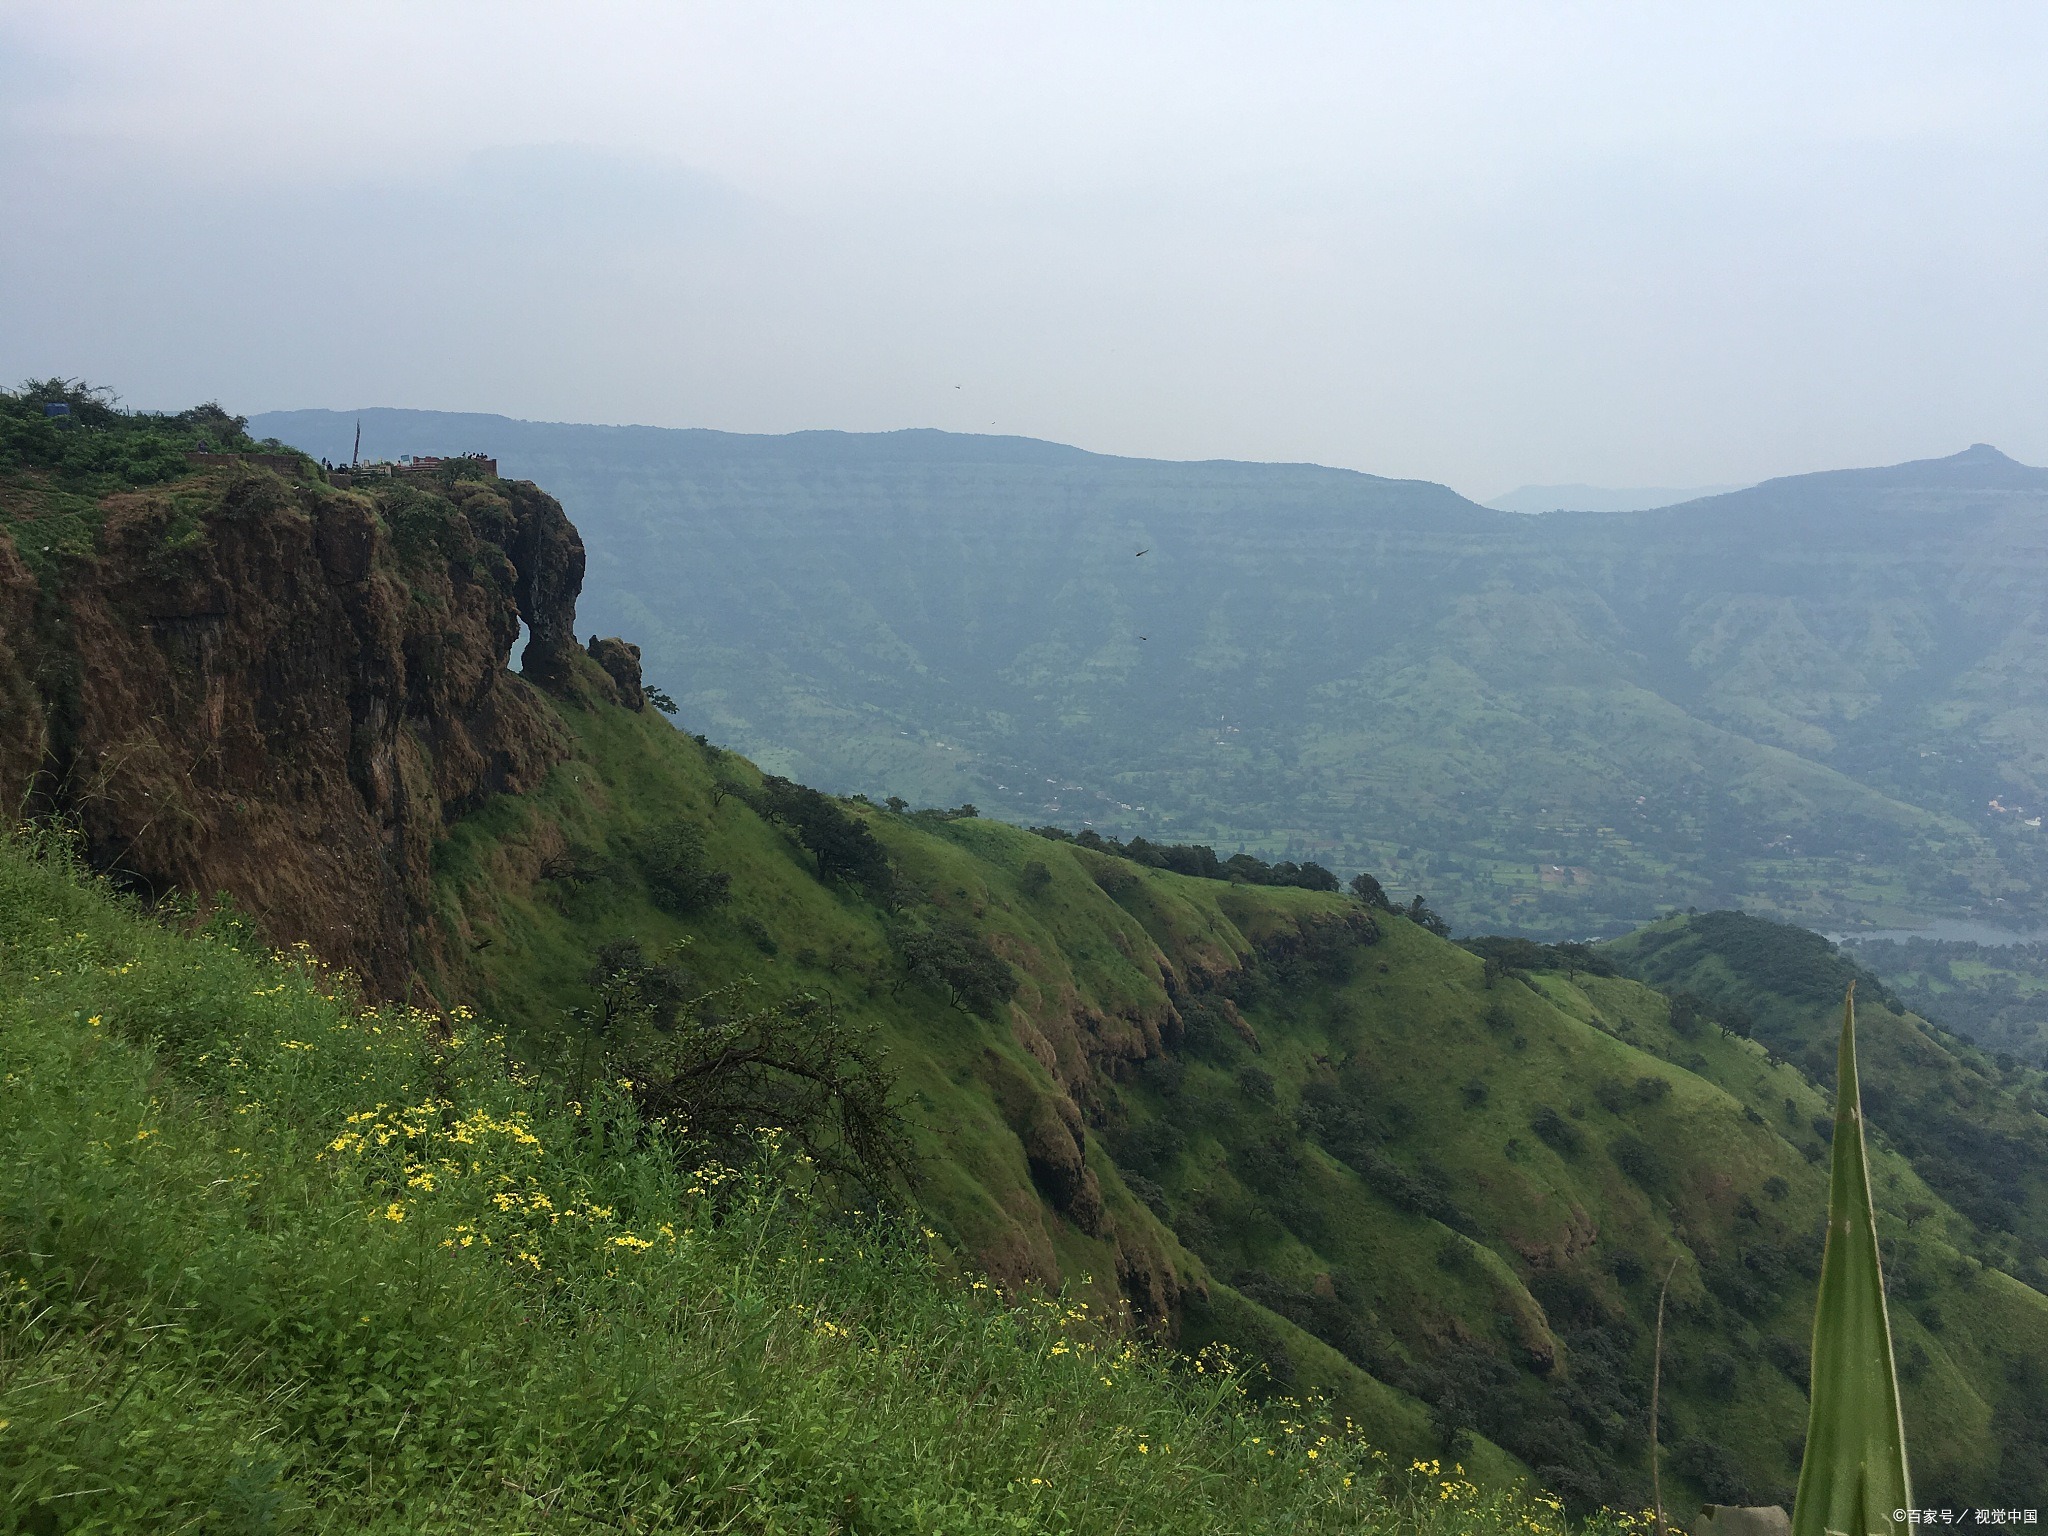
(1166, 1075)
(1627, 1268)
(1257, 1083)
(1637, 1158)
(1718, 1374)
(731, 1063)
(1708, 1465)
(1790, 1356)
(1420, 913)
(1510, 956)
(577, 865)
(1425, 1192)
(945, 953)
(1199, 860)
(679, 877)
(1150, 1147)
(839, 841)
(1556, 1131)
(1371, 892)
(1688, 1015)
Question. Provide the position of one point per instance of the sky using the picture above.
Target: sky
(1490, 245)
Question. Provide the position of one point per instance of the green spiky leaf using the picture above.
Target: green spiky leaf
(1854, 1477)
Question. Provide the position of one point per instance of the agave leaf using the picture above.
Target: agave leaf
(1854, 1476)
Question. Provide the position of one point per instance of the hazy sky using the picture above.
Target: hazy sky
(1626, 244)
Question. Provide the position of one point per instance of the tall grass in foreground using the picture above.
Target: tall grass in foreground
(1853, 1476)
(276, 1261)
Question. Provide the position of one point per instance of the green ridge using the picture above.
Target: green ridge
(1486, 1259)
(272, 1261)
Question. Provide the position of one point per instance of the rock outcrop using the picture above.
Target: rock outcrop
(621, 662)
(22, 731)
(286, 691)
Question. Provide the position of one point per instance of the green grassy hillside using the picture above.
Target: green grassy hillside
(1993, 994)
(1973, 1126)
(1306, 1122)
(1970, 1128)
(1813, 698)
(274, 1261)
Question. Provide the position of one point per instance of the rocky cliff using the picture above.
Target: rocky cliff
(247, 683)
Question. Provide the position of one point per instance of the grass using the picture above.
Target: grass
(1523, 1322)
(276, 1260)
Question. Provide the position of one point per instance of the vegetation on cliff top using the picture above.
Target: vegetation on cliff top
(92, 444)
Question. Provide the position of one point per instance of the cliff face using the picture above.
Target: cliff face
(235, 683)
(21, 715)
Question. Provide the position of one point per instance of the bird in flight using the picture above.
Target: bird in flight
(1141, 554)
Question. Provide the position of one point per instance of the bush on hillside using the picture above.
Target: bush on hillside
(1422, 915)
(678, 873)
(839, 841)
(1688, 1015)
(1371, 892)
(1511, 956)
(943, 952)
(1152, 1147)
(1638, 1159)
(1617, 1097)
(575, 869)
(936, 815)
(1207, 1030)
(1709, 1465)
(1556, 1132)
(1352, 1123)
(1257, 1084)
(1200, 860)
(727, 1062)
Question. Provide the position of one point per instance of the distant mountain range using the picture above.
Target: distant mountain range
(1824, 697)
(1602, 498)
